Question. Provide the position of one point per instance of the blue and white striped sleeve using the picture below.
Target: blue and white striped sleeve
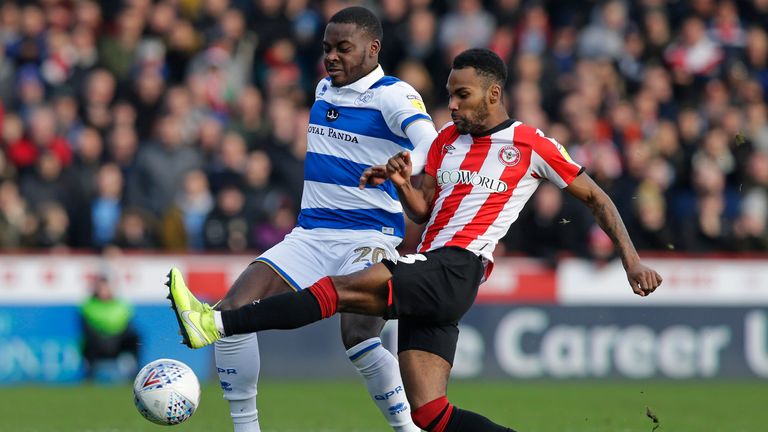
(401, 106)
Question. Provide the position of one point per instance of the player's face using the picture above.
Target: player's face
(468, 100)
(350, 53)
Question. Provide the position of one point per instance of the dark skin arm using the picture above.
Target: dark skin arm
(416, 202)
(642, 279)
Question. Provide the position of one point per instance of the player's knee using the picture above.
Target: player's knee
(356, 329)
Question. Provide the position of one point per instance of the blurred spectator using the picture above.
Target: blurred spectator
(54, 228)
(135, 230)
(110, 343)
(650, 228)
(709, 229)
(146, 97)
(547, 227)
(20, 150)
(394, 15)
(117, 51)
(28, 45)
(48, 183)
(534, 32)
(468, 23)
(727, 30)
(271, 232)
(751, 226)
(106, 206)
(756, 57)
(288, 133)
(89, 149)
(43, 135)
(68, 123)
(248, 119)
(227, 226)
(229, 163)
(604, 38)
(98, 92)
(209, 134)
(182, 225)
(17, 223)
(693, 53)
(160, 168)
(122, 145)
(7, 72)
(261, 196)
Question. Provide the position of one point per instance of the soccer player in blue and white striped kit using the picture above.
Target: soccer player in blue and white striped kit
(360, 118)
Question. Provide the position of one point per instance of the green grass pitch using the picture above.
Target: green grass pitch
(326, 406)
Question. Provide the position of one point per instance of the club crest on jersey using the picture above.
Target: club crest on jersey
(332, 114)
(364, 98)
(509, 155)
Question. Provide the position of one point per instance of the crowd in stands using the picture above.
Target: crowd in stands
(179, 125)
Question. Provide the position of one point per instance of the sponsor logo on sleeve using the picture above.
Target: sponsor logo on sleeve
(416, 102)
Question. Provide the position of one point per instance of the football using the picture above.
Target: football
(166, 392)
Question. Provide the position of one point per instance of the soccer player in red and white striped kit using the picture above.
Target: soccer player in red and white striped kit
(481, 170)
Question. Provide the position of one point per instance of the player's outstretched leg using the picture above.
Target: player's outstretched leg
(379, 369)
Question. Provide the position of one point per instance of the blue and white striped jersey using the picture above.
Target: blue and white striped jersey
(351, 128)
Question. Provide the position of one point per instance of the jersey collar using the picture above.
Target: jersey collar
(367, 81)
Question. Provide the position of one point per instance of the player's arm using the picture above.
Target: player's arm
(398, 169)
(643, 280)
(405, 114)
(421, 133)
(416, 202)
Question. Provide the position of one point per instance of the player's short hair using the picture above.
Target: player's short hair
(485, 62)
(363, 18)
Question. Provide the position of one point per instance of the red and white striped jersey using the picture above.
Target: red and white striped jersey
(484, 181)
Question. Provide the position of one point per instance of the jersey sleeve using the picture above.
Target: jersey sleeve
(551, 161)
(401, 105)
(421, 134)
(435, 154)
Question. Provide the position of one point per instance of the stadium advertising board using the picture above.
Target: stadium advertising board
(600, 342)
(709, 320)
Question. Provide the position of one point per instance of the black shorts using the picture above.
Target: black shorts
(429, 293)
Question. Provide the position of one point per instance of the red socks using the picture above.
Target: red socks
(326, 296)
(433, 416)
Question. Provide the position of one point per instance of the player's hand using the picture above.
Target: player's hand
(373, 176)
(643, 280)
(399, 168)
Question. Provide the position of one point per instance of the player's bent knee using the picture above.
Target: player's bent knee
(359, 328)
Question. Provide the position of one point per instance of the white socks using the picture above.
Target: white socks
(238, 364)
(381, 372)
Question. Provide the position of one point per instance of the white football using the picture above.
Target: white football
(166, 392)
